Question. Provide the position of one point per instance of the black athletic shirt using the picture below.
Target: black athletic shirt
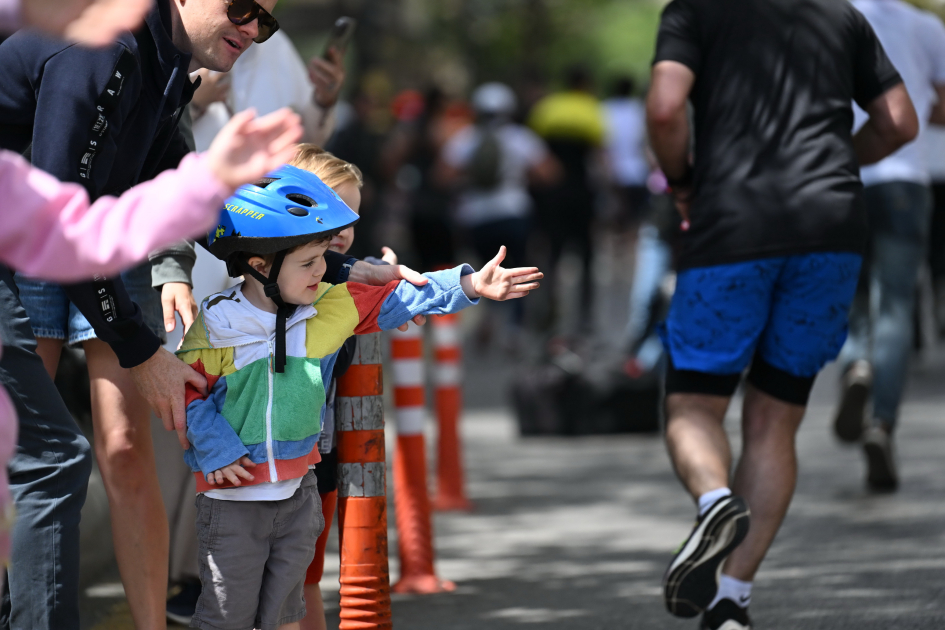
(775, 172)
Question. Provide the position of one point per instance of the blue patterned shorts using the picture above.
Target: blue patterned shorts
(791, 310)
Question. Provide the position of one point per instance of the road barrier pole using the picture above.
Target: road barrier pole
(362, 490)
(411, 499)
(450, 486)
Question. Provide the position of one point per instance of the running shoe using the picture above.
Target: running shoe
(181, 607)
(726, 615)
(855, 392)
(881, 473)
(692, 579)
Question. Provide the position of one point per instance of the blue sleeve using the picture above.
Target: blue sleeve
(442, 295)
(213, 442)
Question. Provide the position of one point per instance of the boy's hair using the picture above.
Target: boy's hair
(330, 169)
(271, 258)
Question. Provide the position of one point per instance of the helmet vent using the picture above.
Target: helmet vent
(298, 212)
(265, 181)
(302, 200)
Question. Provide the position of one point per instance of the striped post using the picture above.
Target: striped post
(362, 489)
(451, 494)
(411, 501)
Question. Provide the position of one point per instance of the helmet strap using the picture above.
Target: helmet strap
(283, 312)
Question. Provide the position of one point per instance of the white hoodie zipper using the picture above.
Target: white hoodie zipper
(273, 477)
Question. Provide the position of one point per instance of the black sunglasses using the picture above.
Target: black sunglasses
(243, 12)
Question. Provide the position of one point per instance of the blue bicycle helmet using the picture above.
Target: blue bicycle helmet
(288, 207)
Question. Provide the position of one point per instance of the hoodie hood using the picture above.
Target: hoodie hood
(230, 320)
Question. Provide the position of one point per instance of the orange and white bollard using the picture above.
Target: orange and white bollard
(411, 501)
(362, 490)
(451, 494)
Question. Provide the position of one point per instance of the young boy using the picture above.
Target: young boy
(346, 180)
(267, 347)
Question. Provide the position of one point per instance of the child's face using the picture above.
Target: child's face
(301, 272)
(351, 195)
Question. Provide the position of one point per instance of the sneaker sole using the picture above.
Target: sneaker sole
(880, 475)
(692, 579)
(848, 425)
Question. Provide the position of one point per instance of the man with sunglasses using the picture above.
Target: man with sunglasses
(108, 118)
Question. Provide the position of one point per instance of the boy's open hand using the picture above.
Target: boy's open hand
(248, 147)
(498, 283)
(232, 473)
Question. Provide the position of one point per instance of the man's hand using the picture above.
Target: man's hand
(214, 88)
(162, 380)
(327, 76)
(88, 22)
(389, 256)
(682, 196)
(232, 473)
(178, 297)
(497, 283)
(247, 147)
(379, 275)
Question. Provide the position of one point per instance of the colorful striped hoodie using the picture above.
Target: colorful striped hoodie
(275, 418)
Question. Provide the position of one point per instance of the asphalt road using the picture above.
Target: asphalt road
(575, 533)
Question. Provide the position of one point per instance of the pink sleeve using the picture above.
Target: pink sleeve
(50, 231)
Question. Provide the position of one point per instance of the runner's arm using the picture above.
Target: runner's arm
(667, 119)
(892, 123)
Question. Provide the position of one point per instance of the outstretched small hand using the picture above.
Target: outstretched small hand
(498, 283)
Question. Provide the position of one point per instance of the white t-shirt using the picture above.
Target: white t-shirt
(267, 76)
(626, 141)
(934, 140)
(915, 42)
(521, 150)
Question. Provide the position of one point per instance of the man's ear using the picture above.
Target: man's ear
(259, 265)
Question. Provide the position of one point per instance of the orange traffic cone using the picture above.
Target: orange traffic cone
(362, 489)
(451, 494)
(411, 502)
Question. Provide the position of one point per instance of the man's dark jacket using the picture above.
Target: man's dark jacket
(107, 119)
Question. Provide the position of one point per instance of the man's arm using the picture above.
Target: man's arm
(937, 115)
(892, 123)
(667, 122)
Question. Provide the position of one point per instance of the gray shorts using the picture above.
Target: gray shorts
(253, 556)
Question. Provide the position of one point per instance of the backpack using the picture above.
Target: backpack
(484, 168)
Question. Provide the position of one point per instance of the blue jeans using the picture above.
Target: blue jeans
(881, 316)
(49, 475)
(653, 262)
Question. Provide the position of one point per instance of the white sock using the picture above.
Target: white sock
(710, 497)
(735, 590)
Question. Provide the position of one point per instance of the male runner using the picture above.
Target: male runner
(769, 262)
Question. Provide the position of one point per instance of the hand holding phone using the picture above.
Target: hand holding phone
(327, 72)
(340, 37)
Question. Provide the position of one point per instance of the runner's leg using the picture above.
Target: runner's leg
(765, 475)
(126, 458)
(696, 441)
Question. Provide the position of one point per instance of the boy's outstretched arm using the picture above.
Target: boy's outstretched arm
(495, 282)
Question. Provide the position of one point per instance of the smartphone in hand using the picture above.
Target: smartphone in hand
(341, 34)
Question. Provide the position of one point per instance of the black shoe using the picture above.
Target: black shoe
(881, 473)
(726, 615)
(856, 384)
(692, 579)
(181, 607)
